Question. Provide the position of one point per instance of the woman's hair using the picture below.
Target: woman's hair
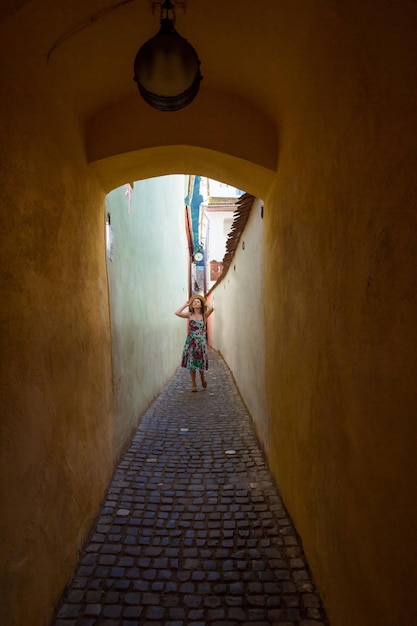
(203, 306)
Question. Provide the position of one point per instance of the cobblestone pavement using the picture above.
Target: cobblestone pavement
(193, 530)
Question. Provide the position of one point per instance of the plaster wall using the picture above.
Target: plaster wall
(217, 233)
(129, 136)
(237, 325)
(340, 259)
(148, 279)
(56, 390)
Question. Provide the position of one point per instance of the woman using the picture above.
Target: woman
(194, 356)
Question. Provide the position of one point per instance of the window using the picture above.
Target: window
(109, 237)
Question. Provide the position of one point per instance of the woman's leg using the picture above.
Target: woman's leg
(203, 380)
(193, 384)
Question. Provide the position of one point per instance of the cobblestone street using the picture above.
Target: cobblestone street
(193, 530)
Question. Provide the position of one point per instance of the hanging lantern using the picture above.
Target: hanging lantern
(167, 68)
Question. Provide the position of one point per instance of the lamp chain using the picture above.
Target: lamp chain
(167, 5)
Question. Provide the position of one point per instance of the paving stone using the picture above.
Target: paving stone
(92, 609)
(237, 614)
(193, 529)
(177, 613)
(69, 610)
(155, 612)
(293, 615)
(112, 610)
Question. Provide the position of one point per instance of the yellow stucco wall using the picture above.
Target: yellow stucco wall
(131, 126)
(56, 428)
(340, 258)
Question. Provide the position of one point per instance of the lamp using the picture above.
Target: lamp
(166, 67)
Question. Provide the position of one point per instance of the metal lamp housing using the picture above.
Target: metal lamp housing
(167, 70)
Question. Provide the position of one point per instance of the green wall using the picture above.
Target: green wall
(147, 283)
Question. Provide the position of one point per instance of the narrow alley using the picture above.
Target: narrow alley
(193, 530)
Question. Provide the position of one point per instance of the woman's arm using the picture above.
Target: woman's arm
(180, 313)
(209, 311)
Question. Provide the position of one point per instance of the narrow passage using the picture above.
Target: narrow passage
(193, 530)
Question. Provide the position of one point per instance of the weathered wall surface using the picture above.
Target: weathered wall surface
(340, 259)
(56, 423)
(237, 325)
(147, 283)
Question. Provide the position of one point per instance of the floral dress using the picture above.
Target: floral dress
(194, 355)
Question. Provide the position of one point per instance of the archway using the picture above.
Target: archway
(226, 139)
(149, 277)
